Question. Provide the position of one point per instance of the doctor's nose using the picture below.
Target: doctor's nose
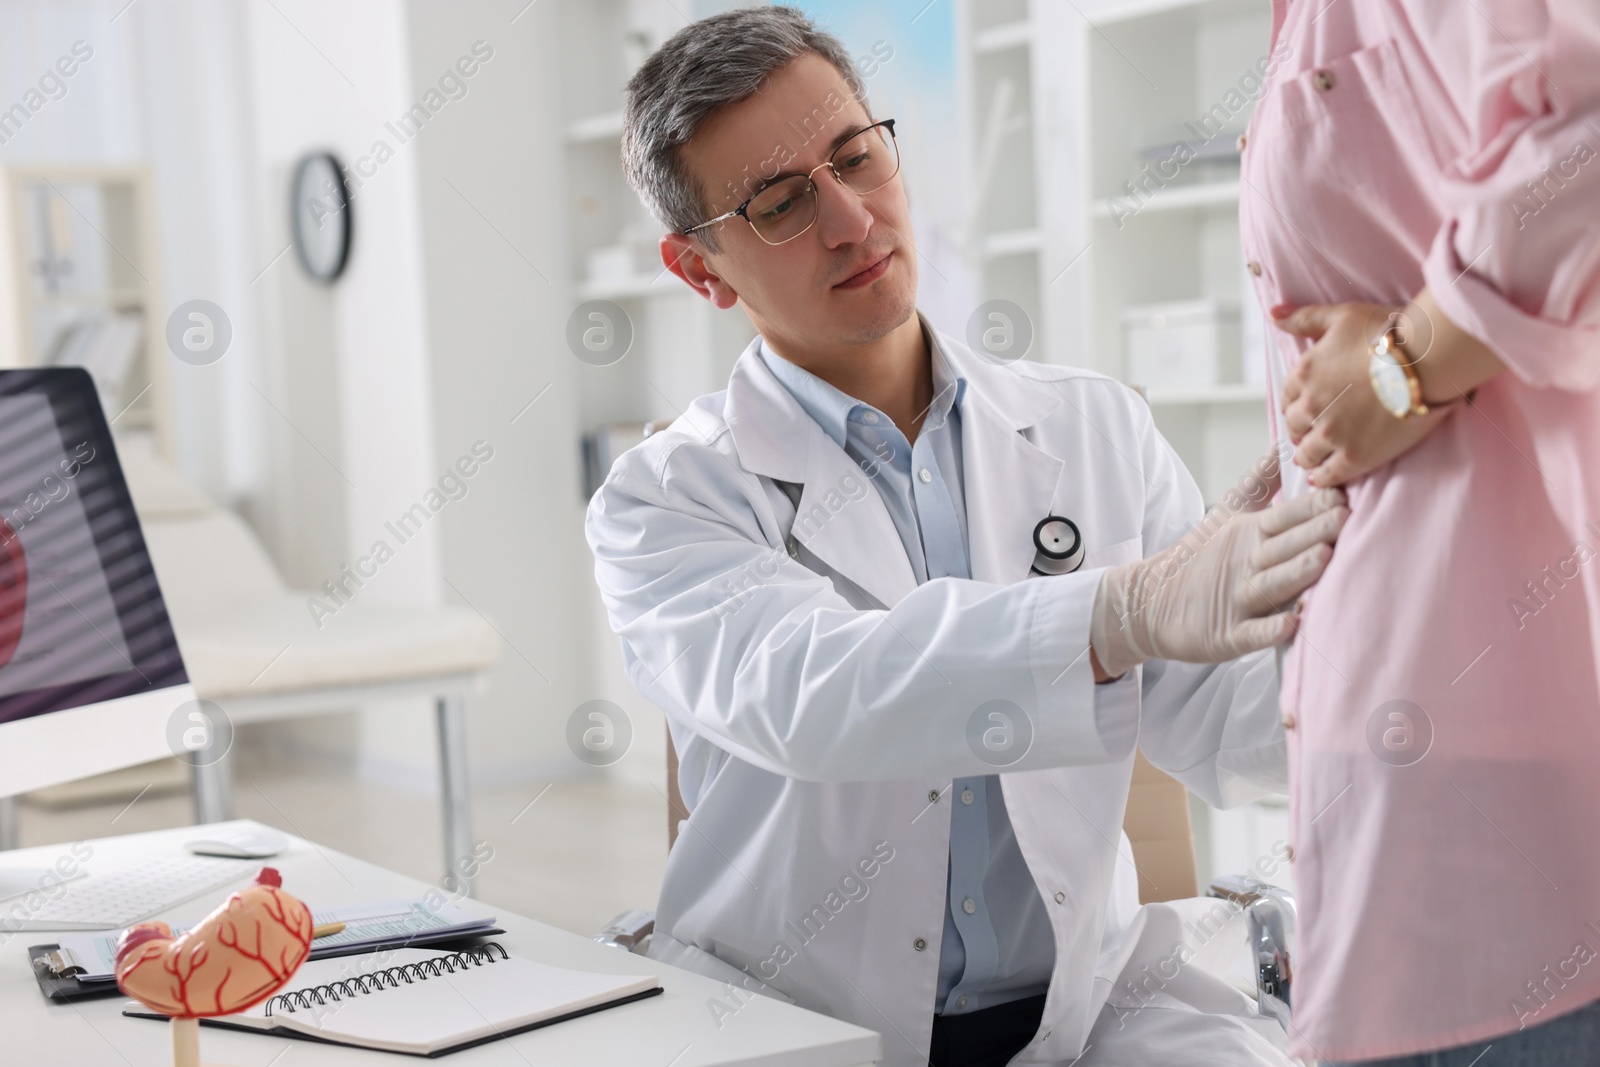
(843, 217)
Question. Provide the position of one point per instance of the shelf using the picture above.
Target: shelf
(1175, 198)
(662, 284)
(116, 274)
(1012, 243)
(1236, 393)
(999, 38)
(596, 128)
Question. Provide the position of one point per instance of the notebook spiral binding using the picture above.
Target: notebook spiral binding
(392, 976)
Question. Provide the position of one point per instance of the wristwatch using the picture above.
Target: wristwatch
(1394, 375)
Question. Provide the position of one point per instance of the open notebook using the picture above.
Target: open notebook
(428, 1004)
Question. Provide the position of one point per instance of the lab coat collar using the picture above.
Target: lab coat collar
(832, 408)
(1009, 482)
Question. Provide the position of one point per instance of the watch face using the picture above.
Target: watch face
(1389, 381)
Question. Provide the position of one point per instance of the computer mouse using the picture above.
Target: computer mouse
(242, 843)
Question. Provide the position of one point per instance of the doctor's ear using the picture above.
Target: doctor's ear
(682, 255)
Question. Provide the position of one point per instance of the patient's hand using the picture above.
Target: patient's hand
(1339, 429)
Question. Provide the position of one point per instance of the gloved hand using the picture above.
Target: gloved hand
(1222, 590)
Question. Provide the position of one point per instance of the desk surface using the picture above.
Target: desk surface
(676, 1029)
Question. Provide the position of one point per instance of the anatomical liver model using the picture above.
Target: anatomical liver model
(232, 959)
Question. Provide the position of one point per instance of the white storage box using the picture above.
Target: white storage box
(1189, 345)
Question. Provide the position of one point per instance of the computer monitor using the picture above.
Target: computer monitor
(90, 674)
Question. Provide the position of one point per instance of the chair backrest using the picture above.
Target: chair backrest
(1156, 822)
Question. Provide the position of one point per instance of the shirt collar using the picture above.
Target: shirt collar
(832, 408)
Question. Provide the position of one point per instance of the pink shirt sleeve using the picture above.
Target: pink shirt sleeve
(1510, 95)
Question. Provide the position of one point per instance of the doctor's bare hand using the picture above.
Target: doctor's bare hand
(1226, 587)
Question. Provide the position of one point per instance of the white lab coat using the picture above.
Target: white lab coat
(821, 701)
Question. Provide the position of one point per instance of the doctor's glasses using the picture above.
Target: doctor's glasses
(788, 206)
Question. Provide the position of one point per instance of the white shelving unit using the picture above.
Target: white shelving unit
(81, 243)
(1009, 238)
(1060, 99)
(682, 346)
(1149, 68)
(1152, 71)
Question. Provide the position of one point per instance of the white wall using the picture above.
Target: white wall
(350, 408)
(492, 190)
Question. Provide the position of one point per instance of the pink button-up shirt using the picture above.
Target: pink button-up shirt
(1445, 752)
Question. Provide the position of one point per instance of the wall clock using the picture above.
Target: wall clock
(319, 216)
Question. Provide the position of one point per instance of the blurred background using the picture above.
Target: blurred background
(324, 259)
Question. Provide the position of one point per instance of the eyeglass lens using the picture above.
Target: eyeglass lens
(787, 208)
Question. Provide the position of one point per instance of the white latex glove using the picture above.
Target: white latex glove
(1222, 590)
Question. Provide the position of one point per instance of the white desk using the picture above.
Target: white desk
(676, 1029)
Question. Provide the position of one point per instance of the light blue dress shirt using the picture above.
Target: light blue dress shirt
(998, 944)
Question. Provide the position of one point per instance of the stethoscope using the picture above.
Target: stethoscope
(1060, 545)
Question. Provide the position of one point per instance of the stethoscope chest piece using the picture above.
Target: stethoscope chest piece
(1059, 546)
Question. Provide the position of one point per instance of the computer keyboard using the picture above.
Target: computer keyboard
(108, 900)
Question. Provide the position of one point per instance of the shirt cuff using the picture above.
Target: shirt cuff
(1079, 722)
(1541, 352)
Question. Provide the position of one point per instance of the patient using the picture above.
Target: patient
(1420, 202)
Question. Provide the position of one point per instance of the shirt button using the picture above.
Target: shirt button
(961, 1002)
(1061, 898)
(1240, 143)
(919, 944)
(925, 474)
(871, 418)
(1289, 852)
(1325, 80)
(933, 796)
(1254, 268)
(1288, 721)
(969, 906)
(966, 796)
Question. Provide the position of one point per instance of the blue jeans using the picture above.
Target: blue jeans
(1571, 1040)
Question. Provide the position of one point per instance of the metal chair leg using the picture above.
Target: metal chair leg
(460, 866)
(212, 789)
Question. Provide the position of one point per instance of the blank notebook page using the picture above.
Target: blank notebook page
(451, 1008)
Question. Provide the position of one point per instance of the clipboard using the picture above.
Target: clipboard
(57, 983)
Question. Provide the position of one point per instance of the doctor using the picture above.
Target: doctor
(905, 756)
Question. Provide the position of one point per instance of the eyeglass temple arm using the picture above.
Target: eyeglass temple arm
(720, 218)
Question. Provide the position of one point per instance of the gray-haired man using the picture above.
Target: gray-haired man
(906, 761)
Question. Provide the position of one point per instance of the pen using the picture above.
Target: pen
(325, 930)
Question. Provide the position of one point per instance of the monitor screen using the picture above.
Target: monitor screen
(81, 617)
